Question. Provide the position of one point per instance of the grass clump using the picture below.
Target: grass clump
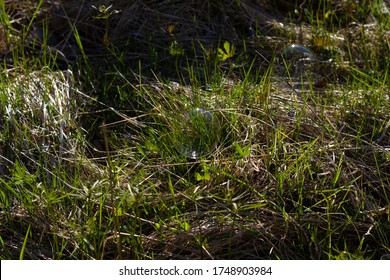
(90, 162)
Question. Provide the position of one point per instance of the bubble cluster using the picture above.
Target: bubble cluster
(196, 133)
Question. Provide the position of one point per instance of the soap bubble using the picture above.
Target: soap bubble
(196, 134)
(295, 63)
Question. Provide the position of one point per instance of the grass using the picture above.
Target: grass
(89, 164)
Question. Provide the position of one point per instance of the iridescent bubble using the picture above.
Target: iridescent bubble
(295, 62)
(196, 134)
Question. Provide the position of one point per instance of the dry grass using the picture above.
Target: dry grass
(310, 179)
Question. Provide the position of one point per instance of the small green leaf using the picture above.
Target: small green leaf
(243, 152)
(185, 226)
(205, 177)
(228, 51)
(226, 46)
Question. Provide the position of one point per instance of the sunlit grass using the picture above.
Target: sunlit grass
(91, 169)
